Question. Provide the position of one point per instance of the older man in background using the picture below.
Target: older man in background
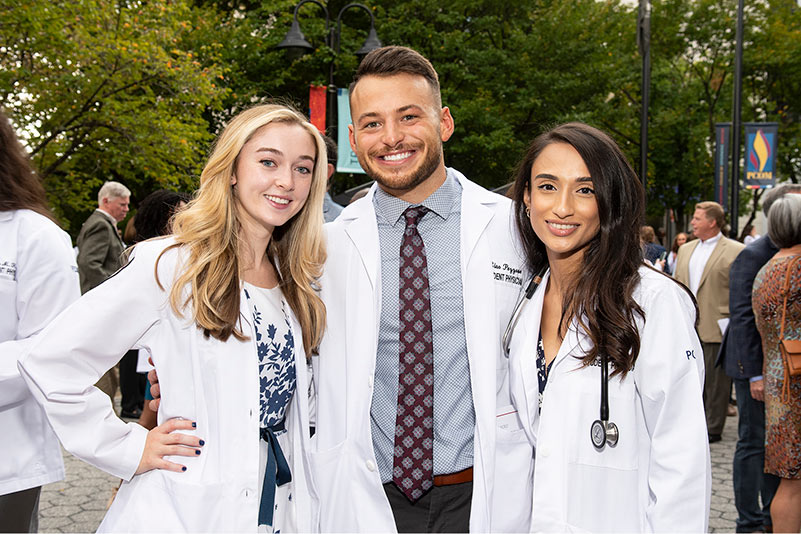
(99, 249)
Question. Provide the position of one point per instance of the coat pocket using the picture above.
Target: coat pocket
(514, 474)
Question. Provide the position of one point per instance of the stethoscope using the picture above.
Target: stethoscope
(602, 430)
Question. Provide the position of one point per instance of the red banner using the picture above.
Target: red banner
(317, 106)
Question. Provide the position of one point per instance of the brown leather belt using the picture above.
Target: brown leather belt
(465, 475)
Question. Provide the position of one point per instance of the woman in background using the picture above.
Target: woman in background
(38, 279)
(678, 241)
(225, 308)
(578, 208)
(777, 318)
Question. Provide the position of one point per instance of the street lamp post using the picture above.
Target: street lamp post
(644, 42)
(296, 41)
(735, 123)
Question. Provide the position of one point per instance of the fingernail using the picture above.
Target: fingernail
(194, 425)
(202, 442)
(197, 451)
(183, 468)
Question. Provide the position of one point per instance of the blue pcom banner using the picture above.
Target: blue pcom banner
(760, 154)
(346, 159)
(722, 133)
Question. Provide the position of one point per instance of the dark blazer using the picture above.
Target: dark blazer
(653, 251)
(741, 350)
(99, 250)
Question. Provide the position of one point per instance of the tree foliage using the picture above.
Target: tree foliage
(135, 90)
(103, 90)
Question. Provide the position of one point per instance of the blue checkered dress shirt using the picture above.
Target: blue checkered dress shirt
(454, 416)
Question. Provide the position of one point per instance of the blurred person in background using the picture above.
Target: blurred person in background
(777, 307)
(741, 357)
(152, 219)
(100, 249)
(652, 250)
(703, 266)
(750, 233)
(331, 209)
(679, 240)
(38, 279)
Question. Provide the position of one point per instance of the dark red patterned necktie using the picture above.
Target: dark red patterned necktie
(413, 467)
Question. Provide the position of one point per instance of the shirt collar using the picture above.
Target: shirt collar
(712, 240)
(107, 214)
(441, 201)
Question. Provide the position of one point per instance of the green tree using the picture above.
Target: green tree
(109, 90)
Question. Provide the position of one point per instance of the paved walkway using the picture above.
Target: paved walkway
(78, 503)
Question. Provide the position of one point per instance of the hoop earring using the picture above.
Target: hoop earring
(528, 212)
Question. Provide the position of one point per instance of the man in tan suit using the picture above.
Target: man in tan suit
(703, 266)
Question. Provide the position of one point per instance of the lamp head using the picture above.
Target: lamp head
(371, 43)
(295, 40)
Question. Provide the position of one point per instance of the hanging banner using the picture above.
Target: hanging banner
(760, 154)
(722, 136)
(346, 159)
(317, 106)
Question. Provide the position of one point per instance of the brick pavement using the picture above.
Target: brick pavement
(78, 503)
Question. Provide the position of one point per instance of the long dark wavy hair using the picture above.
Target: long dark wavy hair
(601, 294)
(20, 185)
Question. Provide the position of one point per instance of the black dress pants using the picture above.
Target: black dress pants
(132, 384)
(442, 509)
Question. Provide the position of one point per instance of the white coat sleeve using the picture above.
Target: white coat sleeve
(47, 282)
(669, 374)
(81, 344)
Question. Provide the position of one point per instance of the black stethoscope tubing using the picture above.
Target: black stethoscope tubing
(602, 431)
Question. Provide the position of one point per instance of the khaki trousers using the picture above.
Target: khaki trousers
(109, 383)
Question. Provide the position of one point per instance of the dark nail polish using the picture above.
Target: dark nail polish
(197, 451)
(202, 442)
(183, 468)
(194, 425)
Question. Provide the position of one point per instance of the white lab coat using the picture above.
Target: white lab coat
(38, 279)
(202, 379)
(342, 458)
(658, 476)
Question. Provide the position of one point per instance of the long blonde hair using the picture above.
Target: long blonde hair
(209, 229)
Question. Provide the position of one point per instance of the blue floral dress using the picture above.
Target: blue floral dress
(275, 346)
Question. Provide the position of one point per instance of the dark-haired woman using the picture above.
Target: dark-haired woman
(38, 279)
(579, 208)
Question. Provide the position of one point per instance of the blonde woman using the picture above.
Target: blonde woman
(225, 308)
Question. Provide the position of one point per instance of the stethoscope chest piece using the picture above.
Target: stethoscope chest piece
(603, 432)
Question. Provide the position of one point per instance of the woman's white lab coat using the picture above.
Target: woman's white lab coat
(38, 279)
(349, 485)
(202, 379)
(657, 478)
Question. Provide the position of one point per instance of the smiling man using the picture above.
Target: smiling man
(703, 266)
(413, 401)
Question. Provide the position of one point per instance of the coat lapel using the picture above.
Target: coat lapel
(716, 253)
(362, 229)
(474, 204)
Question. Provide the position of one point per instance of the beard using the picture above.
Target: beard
(409, 180)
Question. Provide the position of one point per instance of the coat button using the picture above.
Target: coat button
(545, 452)
(370, 465)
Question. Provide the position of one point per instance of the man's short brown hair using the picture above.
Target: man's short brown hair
(713, 210)
(392, 60)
